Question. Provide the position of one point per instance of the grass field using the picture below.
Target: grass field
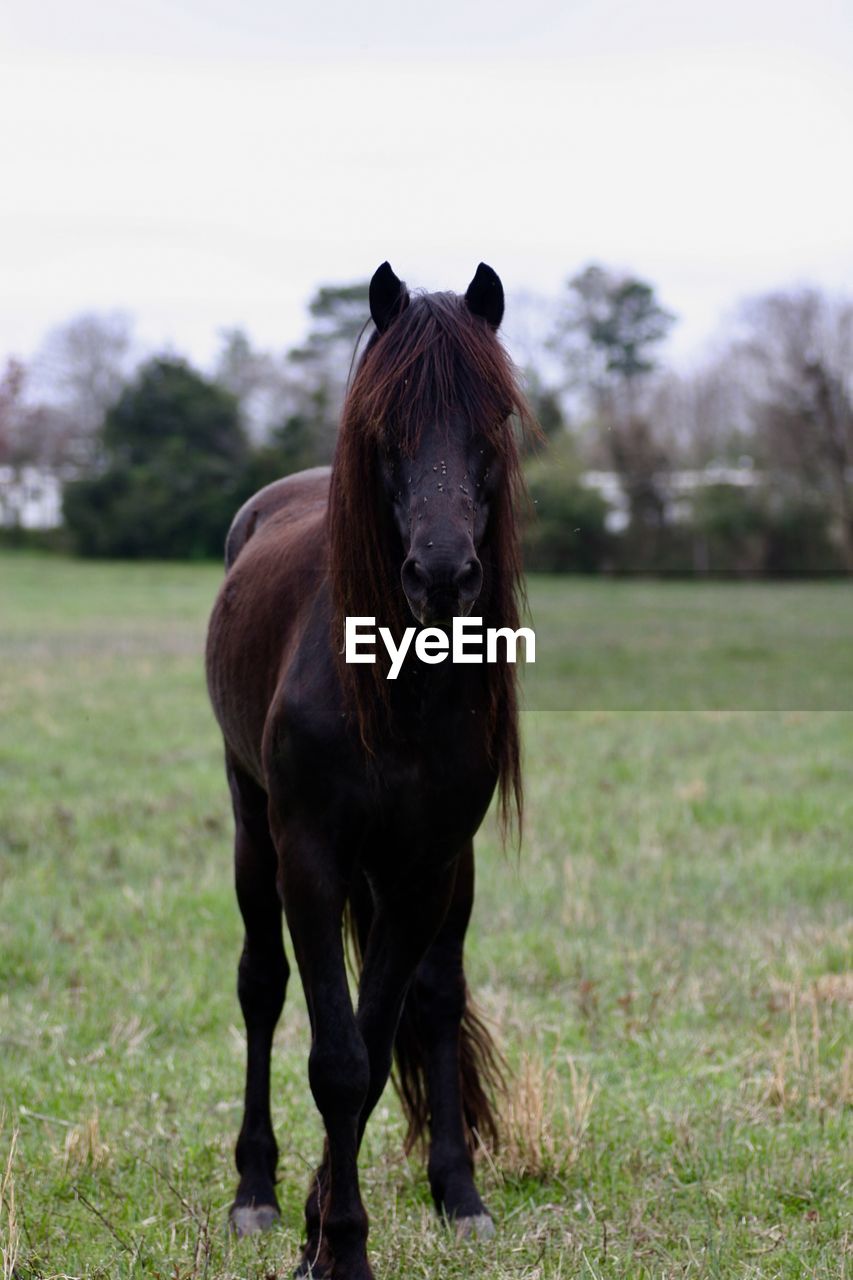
(667, 964)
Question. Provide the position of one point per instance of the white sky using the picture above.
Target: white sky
(205, 163)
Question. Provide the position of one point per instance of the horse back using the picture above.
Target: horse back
(276, 560)
(293, 498)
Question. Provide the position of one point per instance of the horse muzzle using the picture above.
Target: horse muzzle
(437, 594)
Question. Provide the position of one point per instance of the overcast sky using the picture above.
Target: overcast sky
(208, 163)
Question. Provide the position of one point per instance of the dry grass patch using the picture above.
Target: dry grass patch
(84, 1148)
(9, 1233)
(546, 1118)
(799, 1074)
(828, 988)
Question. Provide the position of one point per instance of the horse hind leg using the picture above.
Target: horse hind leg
(261, 985)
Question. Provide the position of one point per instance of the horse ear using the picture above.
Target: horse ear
(485, 296)
(388, 296)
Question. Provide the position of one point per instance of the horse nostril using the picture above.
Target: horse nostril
(469, 580)
(415, 579)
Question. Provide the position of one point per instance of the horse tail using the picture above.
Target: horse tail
(482, 1074)
(482, 1069)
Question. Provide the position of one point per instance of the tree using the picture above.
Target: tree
(292, 405)
(608, 332)
(31, 433)
(175, 469)
(607, 336)
(340, 313)
(321, 366)
(797, 348)
(702, 417)
(240, 369)
(257, 381)
(12, 411)
(81, 371)
(546, 406)
(568, 531)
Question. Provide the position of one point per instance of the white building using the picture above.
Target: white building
(30, 498)
(678, 488)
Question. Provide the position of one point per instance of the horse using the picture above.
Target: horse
(356, 798)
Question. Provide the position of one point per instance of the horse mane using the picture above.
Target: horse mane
(434, 358)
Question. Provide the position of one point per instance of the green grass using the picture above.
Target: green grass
(667, 963)
(681, 646)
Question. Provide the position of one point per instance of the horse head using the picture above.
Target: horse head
(440, 463)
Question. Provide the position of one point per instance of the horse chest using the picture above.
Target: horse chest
(434, 792)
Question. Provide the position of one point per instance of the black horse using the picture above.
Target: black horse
(356, 798)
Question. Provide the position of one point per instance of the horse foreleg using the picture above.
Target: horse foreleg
(338, 1067)
(400, 933)
(452, 1054)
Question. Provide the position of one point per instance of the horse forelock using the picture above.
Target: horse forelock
(435, 361)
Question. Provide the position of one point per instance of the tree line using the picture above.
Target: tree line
(744, 465)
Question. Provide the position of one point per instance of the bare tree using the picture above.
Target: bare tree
(12, 382)
(82, 368)
(257, 379)
(702, 417)
(798, 349)
(33, 439)
(31, 433)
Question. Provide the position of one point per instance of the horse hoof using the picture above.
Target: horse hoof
(250, 1219)
(478, 1227)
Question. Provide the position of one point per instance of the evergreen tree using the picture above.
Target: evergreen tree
(175, 469)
